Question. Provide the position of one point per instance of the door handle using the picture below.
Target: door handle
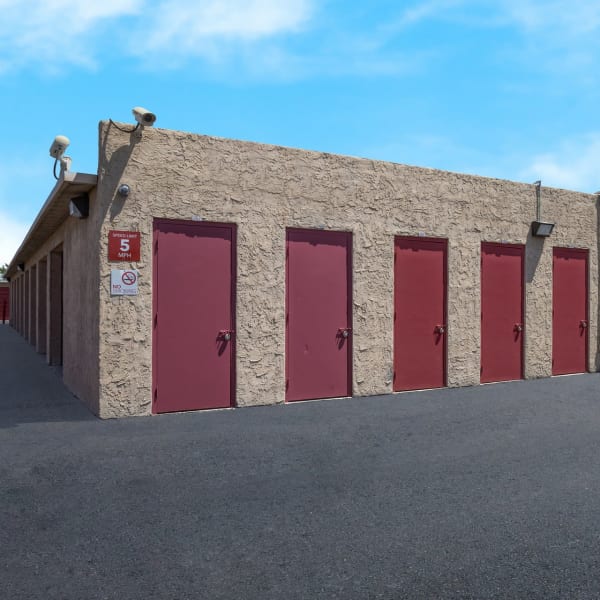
(583, 324)
(518, 327)
(225, 334)
(344, 331)
(440, 329)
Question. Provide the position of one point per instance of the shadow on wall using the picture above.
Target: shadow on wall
(113, 169)
(533, 252)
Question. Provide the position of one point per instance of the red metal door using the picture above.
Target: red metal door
(501, 312)
(4, 304)
(194, 274)
(420, 313)
(318, 319)
(569, 311)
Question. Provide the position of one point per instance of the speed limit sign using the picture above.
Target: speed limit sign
(124, 245)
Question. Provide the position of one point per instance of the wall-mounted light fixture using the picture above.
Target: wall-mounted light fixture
(540, 228)
(79, 206)
(21, 267)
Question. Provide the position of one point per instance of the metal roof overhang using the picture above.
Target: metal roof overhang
(52, 215)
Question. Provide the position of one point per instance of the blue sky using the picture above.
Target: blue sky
(503, 88)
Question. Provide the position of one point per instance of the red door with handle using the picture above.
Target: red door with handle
(502, 327)
(569, 310)
(419, 313)
(194, 337)
(318, 314)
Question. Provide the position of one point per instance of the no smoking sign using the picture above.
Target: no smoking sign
(123, 283)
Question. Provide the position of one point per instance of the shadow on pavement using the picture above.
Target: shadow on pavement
(30, 390)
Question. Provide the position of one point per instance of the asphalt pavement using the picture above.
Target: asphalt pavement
(482, 492)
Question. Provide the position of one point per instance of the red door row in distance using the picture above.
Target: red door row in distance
(318, 314)
(4, 304)
(194, 300)
(569, 310)
(502, 273)
(420, 275)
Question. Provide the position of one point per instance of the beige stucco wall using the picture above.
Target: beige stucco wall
(265, 189)
(81, 297)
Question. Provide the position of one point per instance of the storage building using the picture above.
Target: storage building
(210, 273)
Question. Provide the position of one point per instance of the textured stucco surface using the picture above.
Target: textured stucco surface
(80, 353)
(264, 190)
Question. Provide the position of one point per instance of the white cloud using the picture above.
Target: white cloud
(12, 233)
(245, 33)
(573, 165)
(571, 17)
(58, 33)
(53, 33)
(181, 23)
(422, 11)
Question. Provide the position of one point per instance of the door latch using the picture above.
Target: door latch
(344, 332)
(518, 327)
(583, 324)
(440, 329)
(225, 334)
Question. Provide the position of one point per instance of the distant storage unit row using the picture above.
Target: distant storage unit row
(4, 302)
(238, 274)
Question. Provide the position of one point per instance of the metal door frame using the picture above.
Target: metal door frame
(156, 223)
(523, 249)
(586, 254)
(349, 313)
(444, 243)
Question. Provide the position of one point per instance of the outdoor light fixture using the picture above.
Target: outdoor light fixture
(540, 228)
(21, 267)
(79, 206)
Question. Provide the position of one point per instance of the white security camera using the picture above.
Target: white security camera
(143, 116)
(59, 146)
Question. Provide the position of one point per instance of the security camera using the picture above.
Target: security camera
(59, 146)
(143, 116)
(124, 190)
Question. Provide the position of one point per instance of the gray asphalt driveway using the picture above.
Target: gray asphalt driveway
(487, 492)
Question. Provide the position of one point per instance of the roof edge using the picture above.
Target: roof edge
(67, 181)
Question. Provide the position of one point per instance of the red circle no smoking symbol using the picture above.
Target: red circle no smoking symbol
(129, 278)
